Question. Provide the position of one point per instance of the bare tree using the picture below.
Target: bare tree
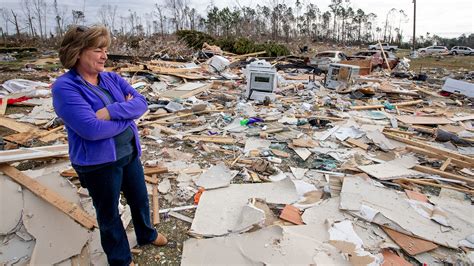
(28, 12)
(60, 16)
(77, 17)
(39, 9)
(107, 14)
(177, 9)
(161, 19)
(390, 12)
(335, 7)
(6, 19)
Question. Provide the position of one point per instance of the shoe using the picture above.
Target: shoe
(160, 240)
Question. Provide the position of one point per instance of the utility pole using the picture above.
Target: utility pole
(414, 25)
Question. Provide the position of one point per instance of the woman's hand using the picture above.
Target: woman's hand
(129, 97)
(102, 114)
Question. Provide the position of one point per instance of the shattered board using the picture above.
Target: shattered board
(219, 210)
(392, 209)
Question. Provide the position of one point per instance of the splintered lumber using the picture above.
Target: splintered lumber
(423, 120)
(357, 143)
(33, 153)
(151, 180)
(426, 183)
(445, 164)
(422, 145)
(378, 106)
(27, 131)
(233, 58)
(155, 170)
(429, 170)
(16, 126)
(384, 57)
(50, 196)
(439, 156)
(214, 139)
(155, 204)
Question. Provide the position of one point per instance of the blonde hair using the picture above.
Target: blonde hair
(79, 38)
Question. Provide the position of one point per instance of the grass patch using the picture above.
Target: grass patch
(450, 62)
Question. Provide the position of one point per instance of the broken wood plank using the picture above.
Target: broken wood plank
(214, 139)
(357, 143)
(409, 244)
(439, 156)
(429, 170)
(155, 204)
(155, 170)
(426, 183)
(181, 217)
(69, 173)
(50, 196)
(16, 126)
(33, 153)
(167, 130)
(233, 58)
(445, 164)
(423, 120)
(462, 118)
(447, 153)
(151, 180)
(368, 107)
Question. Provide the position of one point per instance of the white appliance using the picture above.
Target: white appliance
(340, 75)
(261, 80)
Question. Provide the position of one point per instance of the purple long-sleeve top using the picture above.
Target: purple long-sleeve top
(91, 140)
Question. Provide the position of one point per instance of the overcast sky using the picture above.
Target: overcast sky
(441, 17)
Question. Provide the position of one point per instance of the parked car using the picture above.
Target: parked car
(323, 59)
(376, 58)
(433, 50)
(464, 50)
(385, 46)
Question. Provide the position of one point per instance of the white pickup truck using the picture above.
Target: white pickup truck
(385, 46)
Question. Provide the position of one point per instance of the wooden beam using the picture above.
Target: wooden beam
(385, 57)
(155, 170)
(368, 107)
(156, 205)
(439, 156)
(420, 182)
(151, 180)
(214, 139)
(429, 170)
(445, 164)
(50, 196)
(446, 153)
(357, 143)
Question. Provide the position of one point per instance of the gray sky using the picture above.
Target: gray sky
(441, 17)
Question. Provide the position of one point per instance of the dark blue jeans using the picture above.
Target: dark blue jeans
(104, 185)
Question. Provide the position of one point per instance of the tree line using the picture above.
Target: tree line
(277, 21)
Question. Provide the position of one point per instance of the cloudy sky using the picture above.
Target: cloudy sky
(441, 17)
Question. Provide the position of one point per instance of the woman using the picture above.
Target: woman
(98, 109)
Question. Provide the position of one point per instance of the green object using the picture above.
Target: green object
(244, 122)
